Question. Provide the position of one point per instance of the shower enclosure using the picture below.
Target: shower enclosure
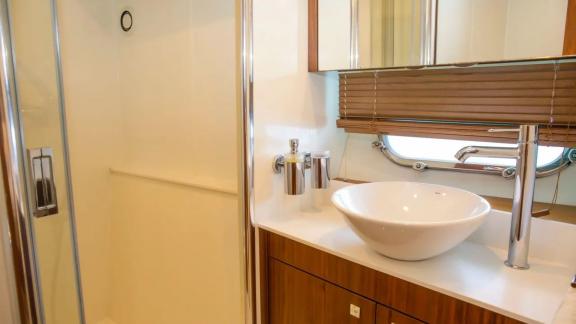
(123, 144)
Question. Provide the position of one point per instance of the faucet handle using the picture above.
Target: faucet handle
(503, 130)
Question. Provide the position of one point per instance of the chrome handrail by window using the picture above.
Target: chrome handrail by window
(383, 145)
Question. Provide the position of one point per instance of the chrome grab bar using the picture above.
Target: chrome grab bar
(508, 172)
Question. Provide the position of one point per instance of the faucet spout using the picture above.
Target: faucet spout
(486, 151)
(525, 154)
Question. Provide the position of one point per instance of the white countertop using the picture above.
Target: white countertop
(471, 272)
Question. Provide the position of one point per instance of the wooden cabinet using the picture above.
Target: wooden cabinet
(303, 285)
(297, 297)
(385, 315)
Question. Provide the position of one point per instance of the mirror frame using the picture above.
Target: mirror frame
(569, 46)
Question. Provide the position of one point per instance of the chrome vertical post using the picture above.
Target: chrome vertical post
(247, 159)
(24, 261)
(354, 34)
(428, 33)
(526, 155)
(519, 243)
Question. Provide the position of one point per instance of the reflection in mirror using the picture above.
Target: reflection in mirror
(496, 30)
(362, 34)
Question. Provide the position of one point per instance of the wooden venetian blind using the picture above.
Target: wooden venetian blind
(462, 103)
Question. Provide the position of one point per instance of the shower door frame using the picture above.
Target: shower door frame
(25, 278)
(24, 274)
(247, 159)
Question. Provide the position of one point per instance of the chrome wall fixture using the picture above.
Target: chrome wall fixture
(568, 158)
(320, 170)
(126, 20)
(295, 163)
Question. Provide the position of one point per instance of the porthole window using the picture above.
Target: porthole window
(432, 153)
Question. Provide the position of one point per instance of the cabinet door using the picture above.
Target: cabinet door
(344, 307)
(299, 298)
(295, 297)
(385, 315)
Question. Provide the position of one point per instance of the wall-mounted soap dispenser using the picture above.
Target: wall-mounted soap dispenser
(295, 164)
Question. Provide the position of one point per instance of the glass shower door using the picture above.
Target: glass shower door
(39, 115)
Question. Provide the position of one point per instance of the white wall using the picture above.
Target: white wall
(535, 28)
(333, 34)
(177, 250)
(160, 101)
(178, 81)
(289, 102)
(473, 30)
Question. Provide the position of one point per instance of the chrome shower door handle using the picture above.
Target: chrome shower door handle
(42, 184)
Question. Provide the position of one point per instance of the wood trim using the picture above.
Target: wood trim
(312, 35)
(570, 31)
(264, 277)
(559, 213)
(384, 315)
(555, 136)
(421, 303)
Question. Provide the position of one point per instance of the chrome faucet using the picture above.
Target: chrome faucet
(525, 154)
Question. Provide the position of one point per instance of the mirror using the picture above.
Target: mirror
(365, 34)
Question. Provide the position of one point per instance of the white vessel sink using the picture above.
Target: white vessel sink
(409, 220)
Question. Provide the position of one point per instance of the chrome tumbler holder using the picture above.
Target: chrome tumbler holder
(295, 164)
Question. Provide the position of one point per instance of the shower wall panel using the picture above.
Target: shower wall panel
(160, 101)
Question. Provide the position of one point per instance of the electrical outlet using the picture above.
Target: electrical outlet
(354, 310)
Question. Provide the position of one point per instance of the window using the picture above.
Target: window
(439, 153)
(418, 148)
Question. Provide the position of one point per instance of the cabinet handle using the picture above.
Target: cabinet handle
(354, 311)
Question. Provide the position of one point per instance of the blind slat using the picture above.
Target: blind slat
(552, 137)
(484, 85)
(482, 93)
(374, 102)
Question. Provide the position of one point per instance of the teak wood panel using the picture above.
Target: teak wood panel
(337, 307)
(313, 36)
(386, 316)
(570, 31)
(299, 298)
(294, 296)
(419, 302)
(547, 136)
(354, 277)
